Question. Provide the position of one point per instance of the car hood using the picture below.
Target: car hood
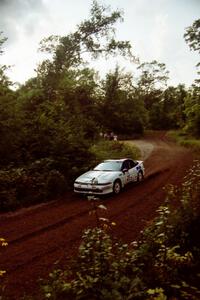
(101, 176)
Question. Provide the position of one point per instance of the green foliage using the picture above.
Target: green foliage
(192, 38)
(113, 149)
(121, 110)
(170, 247)
(4, 81)
(191, 143)
(103, 271)
(150, 87)
(153, 75)
(192, 35)
(58, 115)
(9, 129)
(163, 264)
(47, 178)
(3, 243)
(192, 111)
(168, 113)
(35, 183)
(94, 36)
(185, 140)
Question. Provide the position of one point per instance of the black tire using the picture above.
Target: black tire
(117, 187)
(140, 176)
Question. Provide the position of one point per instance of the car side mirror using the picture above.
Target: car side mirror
(125, 170)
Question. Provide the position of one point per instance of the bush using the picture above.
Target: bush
(170, 247)
(55, 184)
(46, 178)
(163, 264)
(30, 185)
(185, 140)
(103, 270)
(3, 243)
(113, 150)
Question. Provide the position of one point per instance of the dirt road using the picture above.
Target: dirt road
(45, 237)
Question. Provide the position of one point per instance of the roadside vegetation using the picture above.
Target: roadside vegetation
(186, 140)
(163, 264)
(50, 125)
(3, 243)
(45, 179)
(114, 149)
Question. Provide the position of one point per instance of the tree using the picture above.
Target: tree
(192, 111)
(168, 113)
(9, 141)
(150, 87)
(95, 36)
(153, 76)
(63, 77)
(122, 111)
(192, 38)
(152, 81)
(192, 103)
(4, 81)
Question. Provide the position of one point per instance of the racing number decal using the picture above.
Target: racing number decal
(128, 177)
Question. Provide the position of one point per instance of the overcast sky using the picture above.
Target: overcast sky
(155, 29)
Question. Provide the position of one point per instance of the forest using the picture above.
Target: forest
(48, 124)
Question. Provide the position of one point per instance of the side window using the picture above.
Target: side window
(133, 163)
(125, 165)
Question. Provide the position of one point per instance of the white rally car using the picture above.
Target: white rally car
(110, 176)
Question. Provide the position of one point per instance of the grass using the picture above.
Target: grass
(185, 140)
(114, 150)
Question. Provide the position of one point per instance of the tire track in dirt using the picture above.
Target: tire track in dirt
(49, 227)
(145, 147)
(49, 235)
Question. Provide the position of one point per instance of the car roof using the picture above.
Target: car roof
(117, 160)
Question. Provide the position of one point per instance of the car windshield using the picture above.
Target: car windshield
(109, 166)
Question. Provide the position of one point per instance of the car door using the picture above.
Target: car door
(133, 170)
(126, 173)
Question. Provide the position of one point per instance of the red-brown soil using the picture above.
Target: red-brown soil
(47, 236)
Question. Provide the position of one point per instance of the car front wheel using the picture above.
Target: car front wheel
(117, 187)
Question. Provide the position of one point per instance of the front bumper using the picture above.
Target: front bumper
(92, 189)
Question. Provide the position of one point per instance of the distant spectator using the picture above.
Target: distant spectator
(111, 137)
(106, 136)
